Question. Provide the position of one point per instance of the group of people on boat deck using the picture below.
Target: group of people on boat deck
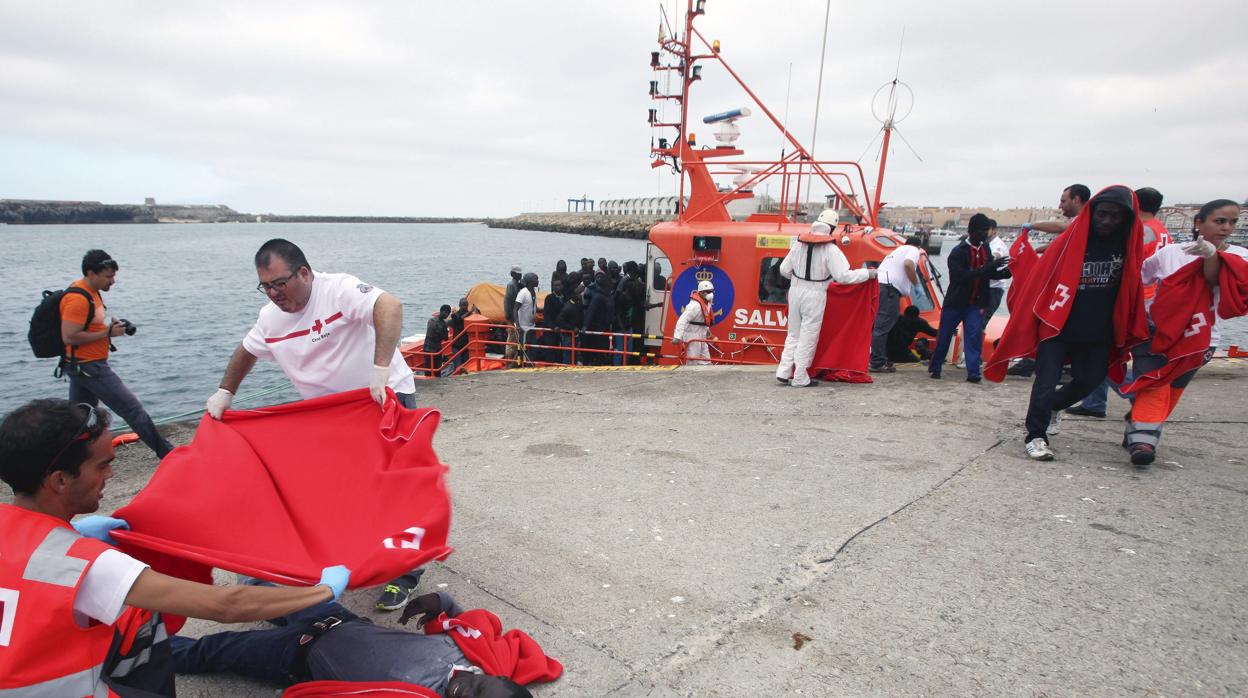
(589, 309)
(1111, 288)
(80, 618)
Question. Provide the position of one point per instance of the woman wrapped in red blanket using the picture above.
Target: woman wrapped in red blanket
(1200, 283)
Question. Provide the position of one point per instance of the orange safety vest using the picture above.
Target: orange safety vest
(43, 650)
(707, 317)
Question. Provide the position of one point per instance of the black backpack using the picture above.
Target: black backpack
(45, 323)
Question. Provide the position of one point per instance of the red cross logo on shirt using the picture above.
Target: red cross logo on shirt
(316, 327)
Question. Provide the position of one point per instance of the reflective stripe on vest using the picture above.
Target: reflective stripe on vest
(50, 563)
(145, 638)
(83, 683)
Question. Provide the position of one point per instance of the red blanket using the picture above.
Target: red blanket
(1183, 317)
(1023, 259)
(844, 348)
(369, 689)
(281, 492)
(512, 654)
(1047, 296)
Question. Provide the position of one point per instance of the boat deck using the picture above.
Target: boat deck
(708, 532)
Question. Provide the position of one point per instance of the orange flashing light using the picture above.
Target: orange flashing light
(693, 138)
(715, 46)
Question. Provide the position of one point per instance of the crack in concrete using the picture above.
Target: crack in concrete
(801, 577)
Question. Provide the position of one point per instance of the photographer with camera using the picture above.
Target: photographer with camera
(87, 343)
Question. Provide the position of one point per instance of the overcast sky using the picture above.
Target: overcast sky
(493, 108)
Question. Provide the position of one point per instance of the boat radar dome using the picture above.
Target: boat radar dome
(728, 132)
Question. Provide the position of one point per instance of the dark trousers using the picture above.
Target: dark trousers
(885, 318)
(1089, 364)
(268, 655)
(995, 296)
(972, 321)
(95, 382)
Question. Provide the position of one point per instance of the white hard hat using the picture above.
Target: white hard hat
(706, 285)
(829, 216)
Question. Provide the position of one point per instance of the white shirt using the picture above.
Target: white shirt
(527, 311)
(998, 248)
(827, 262)
(1172, 258)
(102, 594)
(892, 269)
(328, 346)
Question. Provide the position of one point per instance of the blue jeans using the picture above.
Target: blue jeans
(268, 655)
(972, 321)
(1098, 399)
(565, 341)
(94, 382)
(617, 343)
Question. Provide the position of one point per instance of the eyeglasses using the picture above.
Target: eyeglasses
(90, 429)
(278, 285)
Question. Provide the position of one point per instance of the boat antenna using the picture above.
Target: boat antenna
(896, 89)
(819, 94)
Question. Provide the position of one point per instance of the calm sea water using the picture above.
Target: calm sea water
(191, 290)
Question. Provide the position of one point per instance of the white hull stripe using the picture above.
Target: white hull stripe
(50, 564)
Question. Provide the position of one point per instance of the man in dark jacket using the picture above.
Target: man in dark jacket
(509, 312)
(571, 318)
(600, 317)
(459, 337)
(907, 327)
(436, 333)
(550, 316)
(971, 268)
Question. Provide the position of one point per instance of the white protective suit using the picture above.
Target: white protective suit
(692, 325)
(807, 299)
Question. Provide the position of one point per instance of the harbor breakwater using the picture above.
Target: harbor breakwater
(631, 227)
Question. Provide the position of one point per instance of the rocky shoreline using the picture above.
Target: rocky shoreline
(629, 227)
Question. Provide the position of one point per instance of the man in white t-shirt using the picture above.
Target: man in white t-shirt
(997, 287)
(329, 333)
(897, 274)
(66, 593)
(526, 309)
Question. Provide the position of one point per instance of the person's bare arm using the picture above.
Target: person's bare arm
(388, 326)
(233, 604)
(240, 365)
(73, 334)
(1050, 227)
(912, 272)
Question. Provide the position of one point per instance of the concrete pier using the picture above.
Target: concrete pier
(709, 532)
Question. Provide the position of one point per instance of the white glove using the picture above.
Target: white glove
(1200, 248)
(377, 385)
(219, 402)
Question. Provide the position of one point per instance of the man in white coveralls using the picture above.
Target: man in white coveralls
(813, 262)
(695, 324)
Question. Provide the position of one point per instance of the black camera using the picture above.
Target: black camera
(130, 327)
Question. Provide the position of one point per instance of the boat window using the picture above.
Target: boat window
(772, 286)
(885, 241)
(920, 295)
(659, 274)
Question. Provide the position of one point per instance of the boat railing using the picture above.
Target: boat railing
(484, 352)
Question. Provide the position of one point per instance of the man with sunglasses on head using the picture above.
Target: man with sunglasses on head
(77, 616)
(87, 343)
(329, 333)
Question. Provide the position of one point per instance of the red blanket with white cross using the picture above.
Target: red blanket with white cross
(281, 492)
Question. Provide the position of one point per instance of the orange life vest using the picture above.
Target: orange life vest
(43, 650)
(708, 317)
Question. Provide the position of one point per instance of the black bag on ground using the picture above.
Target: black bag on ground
(45, 323)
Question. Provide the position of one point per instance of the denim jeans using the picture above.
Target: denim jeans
(94, 382)
(268, 655)
(565, 340)
(972, 321)
(1088, 366)
(885, 317)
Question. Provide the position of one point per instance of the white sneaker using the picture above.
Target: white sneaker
(1038, 449)
(1055, 423)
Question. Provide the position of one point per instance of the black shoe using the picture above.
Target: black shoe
(886, 368)
(783, 381)
(933, 374)
(973, 379)
(813, 383)
(1084, 412)
(394, 597)
(1143, 455)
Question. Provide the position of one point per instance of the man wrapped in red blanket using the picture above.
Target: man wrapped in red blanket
(1082, 302)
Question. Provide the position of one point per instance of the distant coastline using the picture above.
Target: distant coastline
(42, 212)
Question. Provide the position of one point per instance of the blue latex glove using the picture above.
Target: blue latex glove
(98, 527)
(1024, 228)
(336, 579)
